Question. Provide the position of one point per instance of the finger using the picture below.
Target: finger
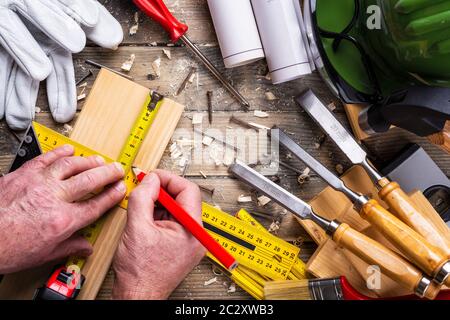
(141, 204)
(46, 159)
(61, 89)
(79, 186)
(83, 11)
(186, 193)
(108, 32)
(75, 245)
(47, 16)
(21, 45)
(67, 167)
(20, 102)
(91, 210)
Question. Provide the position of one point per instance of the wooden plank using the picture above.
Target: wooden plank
(104, 125)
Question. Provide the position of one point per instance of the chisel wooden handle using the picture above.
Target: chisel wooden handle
(411, 244)
(442, 139)
(401, 205)
(390, 263)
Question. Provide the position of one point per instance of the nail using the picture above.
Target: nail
(121, 187)
(100, 160)
(119, 167)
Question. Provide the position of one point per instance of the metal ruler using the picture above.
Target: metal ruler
(257, 250)
(40, 139)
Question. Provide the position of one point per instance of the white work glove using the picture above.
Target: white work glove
(37, 39)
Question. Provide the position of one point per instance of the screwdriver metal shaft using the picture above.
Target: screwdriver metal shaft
(244, 103)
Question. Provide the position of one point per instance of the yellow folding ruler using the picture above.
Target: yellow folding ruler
(260, 251)
(49, 140)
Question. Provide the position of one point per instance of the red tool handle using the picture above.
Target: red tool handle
(186, 220)
(157, 10)
(350, 293)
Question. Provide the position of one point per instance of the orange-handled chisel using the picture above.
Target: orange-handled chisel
(370, 251)
(411, 244)
(186, 220)
(433, 230)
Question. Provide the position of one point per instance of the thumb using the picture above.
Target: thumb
(61, 90)
(75, 245)
(141, 204)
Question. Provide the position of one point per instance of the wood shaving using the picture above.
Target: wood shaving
(183, 162)
(331, 106)
(207, 141)
(173, 147)
(203, 174)
(167, 53)
(176, 154)
(81, 97)
(83, 85)
(339, 168)
(261, 114)
(156, 66)
(154, 44)
(268, 77)
(263, 200)
(210, 281)
(270, 96)
(304, 176)
(192, 77)
(37, 110)
(258, 126)
(134, 28)
(229, 158)
(231, 288)
(274, 226)
(244, 199)
(197, 118)
(67, 129)
(127, 65)
(183, 142)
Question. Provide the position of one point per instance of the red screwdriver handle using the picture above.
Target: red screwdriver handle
(157, 10)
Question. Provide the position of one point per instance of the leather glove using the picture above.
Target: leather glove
(38, 38)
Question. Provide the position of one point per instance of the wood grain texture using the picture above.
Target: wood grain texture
(415, 247)
(430, 226)
(373, 253)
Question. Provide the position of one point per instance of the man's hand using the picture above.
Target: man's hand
(41, 207)
(156, 252)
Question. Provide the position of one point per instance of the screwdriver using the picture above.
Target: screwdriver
(157, 10)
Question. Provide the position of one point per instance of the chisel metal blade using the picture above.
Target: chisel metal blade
(336, 131)
(326, 120)
(272, 190)
(314, 164)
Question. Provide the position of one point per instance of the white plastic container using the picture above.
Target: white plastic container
(281, 35)
(237, 31)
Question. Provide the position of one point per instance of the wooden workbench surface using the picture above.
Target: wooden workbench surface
(250, 80)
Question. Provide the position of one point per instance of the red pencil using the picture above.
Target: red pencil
(192, 226)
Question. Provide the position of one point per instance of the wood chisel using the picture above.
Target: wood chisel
(411, 244)
(157, 10)
(390, 192)
(367, 249)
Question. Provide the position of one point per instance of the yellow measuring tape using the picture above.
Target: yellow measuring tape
(259, 251)
(49, 140)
